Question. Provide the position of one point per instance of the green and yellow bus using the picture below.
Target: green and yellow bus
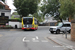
(29, 23)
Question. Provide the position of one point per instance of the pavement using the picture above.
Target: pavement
(63, 41)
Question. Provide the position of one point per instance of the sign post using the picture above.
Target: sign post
(65, 33)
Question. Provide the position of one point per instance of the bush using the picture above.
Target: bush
(19, 20)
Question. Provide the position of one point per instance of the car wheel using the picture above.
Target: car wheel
(58, 31)
(52, 32)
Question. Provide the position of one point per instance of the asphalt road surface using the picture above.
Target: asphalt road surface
(17, 39)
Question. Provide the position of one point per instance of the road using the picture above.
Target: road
(17, 39)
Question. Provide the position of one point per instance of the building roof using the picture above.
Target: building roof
(6, 6)
(5, 10)
(16, 16)
(50, 19)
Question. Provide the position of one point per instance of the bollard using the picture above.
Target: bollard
(65, 33)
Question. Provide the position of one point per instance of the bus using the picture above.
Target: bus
(29, 23)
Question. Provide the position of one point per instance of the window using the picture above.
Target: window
(59, 24)
(66, 25)
(35, 21)
(27, 20)
(2, 14)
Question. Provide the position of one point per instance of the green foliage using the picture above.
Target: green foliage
(12, 17)
(38, 17)
(3, 0)
(19, 20)
(50, 7)
(8, 26)
(67, 8)
(15, 13)
(26, 7)
(62, 9)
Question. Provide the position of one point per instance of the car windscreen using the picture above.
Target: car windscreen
(59, 24)
(27, 20)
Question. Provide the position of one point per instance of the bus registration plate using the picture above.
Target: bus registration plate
(27, 28)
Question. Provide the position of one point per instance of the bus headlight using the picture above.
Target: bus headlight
(32, 25)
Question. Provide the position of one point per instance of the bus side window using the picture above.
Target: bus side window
(35, 21)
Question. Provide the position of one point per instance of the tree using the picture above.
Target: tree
(1, 6)
(3, 0)
(15, 13)
(26, 7)
(67, 9)
(51, 7)
(36, 15)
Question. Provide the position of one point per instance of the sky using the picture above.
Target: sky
(10, 4)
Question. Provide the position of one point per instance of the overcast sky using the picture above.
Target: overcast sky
(10, 4)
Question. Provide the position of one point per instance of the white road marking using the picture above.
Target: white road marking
(37, 37)
(24, 39)
(33, 39)
(66, 46)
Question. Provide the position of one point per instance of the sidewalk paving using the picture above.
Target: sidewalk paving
(62, 41)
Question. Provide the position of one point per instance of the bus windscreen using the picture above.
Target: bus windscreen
(27, 20)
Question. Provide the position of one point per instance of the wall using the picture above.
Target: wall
(15, 23)
(73, 30)
(7, 12)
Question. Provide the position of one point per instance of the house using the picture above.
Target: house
(5, 10)
(5, 14)
(50, 20)
(16, 16)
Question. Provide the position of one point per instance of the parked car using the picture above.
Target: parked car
(61, 27)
